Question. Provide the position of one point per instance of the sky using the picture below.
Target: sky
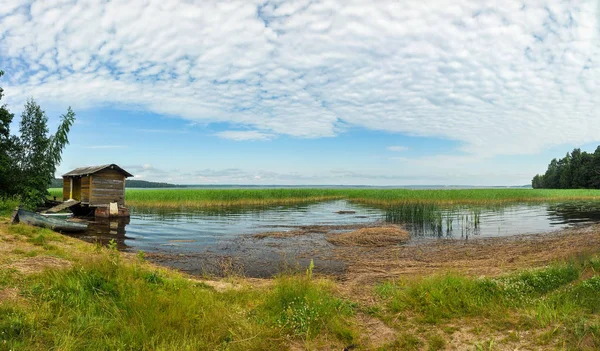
(409, 92)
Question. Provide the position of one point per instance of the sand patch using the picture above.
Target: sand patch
(38, 264)
(222, 286)
(373, 237)
(219, 286)
(9, 294)
(376, 333)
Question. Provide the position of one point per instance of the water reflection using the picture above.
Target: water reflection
(463, 221)
(575, 212)
(210, 229)
(103, 230)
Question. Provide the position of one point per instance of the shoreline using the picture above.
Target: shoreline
(370, 264)
(37, 264)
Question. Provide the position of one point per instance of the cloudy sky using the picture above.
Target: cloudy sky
(311, 92)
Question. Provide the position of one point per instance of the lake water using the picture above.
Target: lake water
(202, 230)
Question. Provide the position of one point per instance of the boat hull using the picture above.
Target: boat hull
(57, 215)
(59, 225)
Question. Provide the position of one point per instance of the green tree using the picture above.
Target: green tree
(28, 162)
(38, 153)
(7, 149)
(576, 170)
(537, 182)
(565, 175)
(552, 175)
(594, 170)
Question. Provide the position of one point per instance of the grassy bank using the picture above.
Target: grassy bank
(206, 198)
(60, 293)
(556, 307)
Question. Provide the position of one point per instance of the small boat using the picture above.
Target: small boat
(57, 215)
(59, 225)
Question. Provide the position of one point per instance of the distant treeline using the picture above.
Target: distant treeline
(58, 183)
(576, 170)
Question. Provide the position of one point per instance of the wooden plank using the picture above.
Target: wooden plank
(108, 178)
(110, 190)
(62, 206)
(109, 186)
(105, 199)
(107, 181)
(66, 188)
(109, 175)
(85, 189)
(107, 194)
(97, 198)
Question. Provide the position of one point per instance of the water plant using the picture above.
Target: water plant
(206, 198)
(431, 219)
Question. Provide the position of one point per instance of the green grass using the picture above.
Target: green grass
(202, 198)
(101, 306)
(304, 307)
(552, 297)
(107, 301)
(449, 296)
(7, 206)
(107, 304)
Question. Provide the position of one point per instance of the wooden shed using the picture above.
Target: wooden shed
(96, 186)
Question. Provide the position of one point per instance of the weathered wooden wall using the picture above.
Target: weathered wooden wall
(66, 189)
(107, 186)
(85, 188)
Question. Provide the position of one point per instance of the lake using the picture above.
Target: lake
(213, 234)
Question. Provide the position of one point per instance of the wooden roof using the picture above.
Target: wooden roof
(83, 171)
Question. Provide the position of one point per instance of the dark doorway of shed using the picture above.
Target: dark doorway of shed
(76, 193)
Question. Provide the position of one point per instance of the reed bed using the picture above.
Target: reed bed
(386, 197)
(207, 198)
(202, 198)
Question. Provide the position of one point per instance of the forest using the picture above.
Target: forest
(577, 170)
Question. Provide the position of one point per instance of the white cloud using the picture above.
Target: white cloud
(512, 77)
(397, 148)
(243, 135)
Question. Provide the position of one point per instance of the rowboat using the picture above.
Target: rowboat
(57, 215)
(59, 225)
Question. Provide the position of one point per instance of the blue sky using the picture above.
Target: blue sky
(311, 92)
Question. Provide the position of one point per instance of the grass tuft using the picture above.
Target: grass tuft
(305, 307)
